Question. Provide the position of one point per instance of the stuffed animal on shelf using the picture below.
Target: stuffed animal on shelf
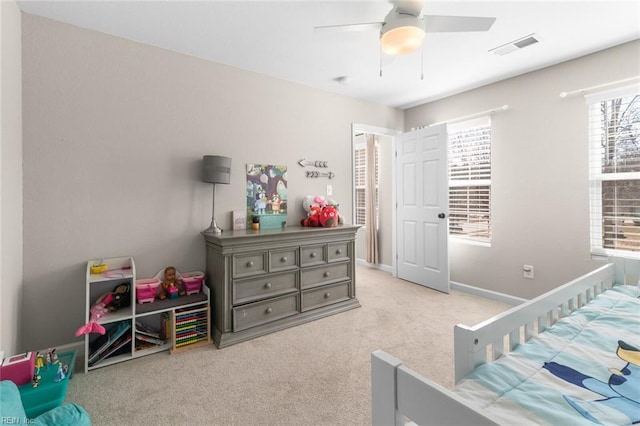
(329, 217)
(320, 212)
(108, 302)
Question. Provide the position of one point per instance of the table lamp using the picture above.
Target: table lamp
(215, 169)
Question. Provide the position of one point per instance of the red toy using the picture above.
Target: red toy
(329, 217)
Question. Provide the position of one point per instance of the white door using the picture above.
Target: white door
(422, 196)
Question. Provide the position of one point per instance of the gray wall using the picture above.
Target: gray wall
(10, 177)
(540, 185)
(114, 132)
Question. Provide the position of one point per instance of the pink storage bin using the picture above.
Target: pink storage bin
(146, 289)
(192, 281)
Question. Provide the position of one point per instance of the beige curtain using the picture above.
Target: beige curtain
(370, 201)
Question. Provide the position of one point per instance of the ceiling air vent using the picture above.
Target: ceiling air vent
(514, 45)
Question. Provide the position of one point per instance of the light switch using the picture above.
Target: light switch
(329, 190)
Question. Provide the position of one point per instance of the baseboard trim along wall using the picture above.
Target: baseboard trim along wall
(489, 294)
(384, 268)
(465, 288)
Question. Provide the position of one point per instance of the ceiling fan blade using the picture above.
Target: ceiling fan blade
(350, 27)
(446, 24)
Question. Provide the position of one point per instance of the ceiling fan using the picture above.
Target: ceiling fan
(403, 28)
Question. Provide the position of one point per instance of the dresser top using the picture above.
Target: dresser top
(275, 233)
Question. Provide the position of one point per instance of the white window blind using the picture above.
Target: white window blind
(360, 179)
(360, 171)
(470, 179)
(614, 170)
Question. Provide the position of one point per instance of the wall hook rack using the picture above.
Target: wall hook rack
(329, 175)
(311, 163)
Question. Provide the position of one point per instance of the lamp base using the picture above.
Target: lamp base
(213, 229)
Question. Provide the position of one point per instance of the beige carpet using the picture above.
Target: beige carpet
(314, 374)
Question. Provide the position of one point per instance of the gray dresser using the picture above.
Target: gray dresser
(268, 280)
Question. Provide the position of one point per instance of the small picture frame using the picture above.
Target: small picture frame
(239, 219)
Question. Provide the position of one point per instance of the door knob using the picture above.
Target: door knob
(442, 215)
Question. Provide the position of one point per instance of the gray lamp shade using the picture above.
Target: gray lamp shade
(216, 169)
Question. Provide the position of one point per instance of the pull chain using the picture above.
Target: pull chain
(380, 59)
(422, 62)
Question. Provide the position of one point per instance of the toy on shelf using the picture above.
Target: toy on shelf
(172, 285)
(320, 212)
(192, 281)
(108, 302)
(146, 289)
(99, 268)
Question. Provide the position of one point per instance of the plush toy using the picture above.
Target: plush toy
(108, 302)
(320, 212)
(320, 200)
(329, 217)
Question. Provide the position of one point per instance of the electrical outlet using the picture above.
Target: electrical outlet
(527, 271)
(329, 190)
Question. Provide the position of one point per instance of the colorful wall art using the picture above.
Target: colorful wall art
(266, 195)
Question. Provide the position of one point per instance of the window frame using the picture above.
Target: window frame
(597, 176)
(361, 145)
(473, 186)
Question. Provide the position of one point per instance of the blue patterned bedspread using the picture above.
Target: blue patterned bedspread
(583, 370)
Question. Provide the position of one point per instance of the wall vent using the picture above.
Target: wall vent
(514, 45)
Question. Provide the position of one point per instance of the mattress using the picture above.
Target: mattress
(585, 369)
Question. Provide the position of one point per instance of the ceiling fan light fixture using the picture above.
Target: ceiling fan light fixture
(401, 34)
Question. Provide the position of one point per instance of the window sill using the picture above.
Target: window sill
(600, 253)
(470, 242)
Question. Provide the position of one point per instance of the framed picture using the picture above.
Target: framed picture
(239, 219)
(266, 195)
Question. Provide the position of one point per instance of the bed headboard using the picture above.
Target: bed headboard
(627, 270)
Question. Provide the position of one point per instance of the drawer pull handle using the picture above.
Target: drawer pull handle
(327, 295)
(339, 251)
(269, 310)
(313, 254)
(326, 274)
(284, 259)
(267, 285)
(250, 264)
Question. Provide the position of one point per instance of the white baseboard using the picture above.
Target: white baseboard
(385, 268)
(489, 294)
(465, 288)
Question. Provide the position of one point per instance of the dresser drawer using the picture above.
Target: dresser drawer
(253, 289)
(323, 296)
(258, 313)
(245, 265)
(282, 260)
(313, 255)
(338, 251)
(326, 274)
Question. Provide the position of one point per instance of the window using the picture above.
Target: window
(614, 170)
(360, 178)
(470, 179)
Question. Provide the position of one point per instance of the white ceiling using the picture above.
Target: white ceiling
(276, 38)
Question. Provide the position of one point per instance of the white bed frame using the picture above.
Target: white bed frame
(400, 394)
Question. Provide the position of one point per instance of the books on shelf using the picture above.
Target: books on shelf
(109, 342)
(114, 348)
(148, 337)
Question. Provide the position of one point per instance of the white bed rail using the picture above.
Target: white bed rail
(487, 341)
(399, 393)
